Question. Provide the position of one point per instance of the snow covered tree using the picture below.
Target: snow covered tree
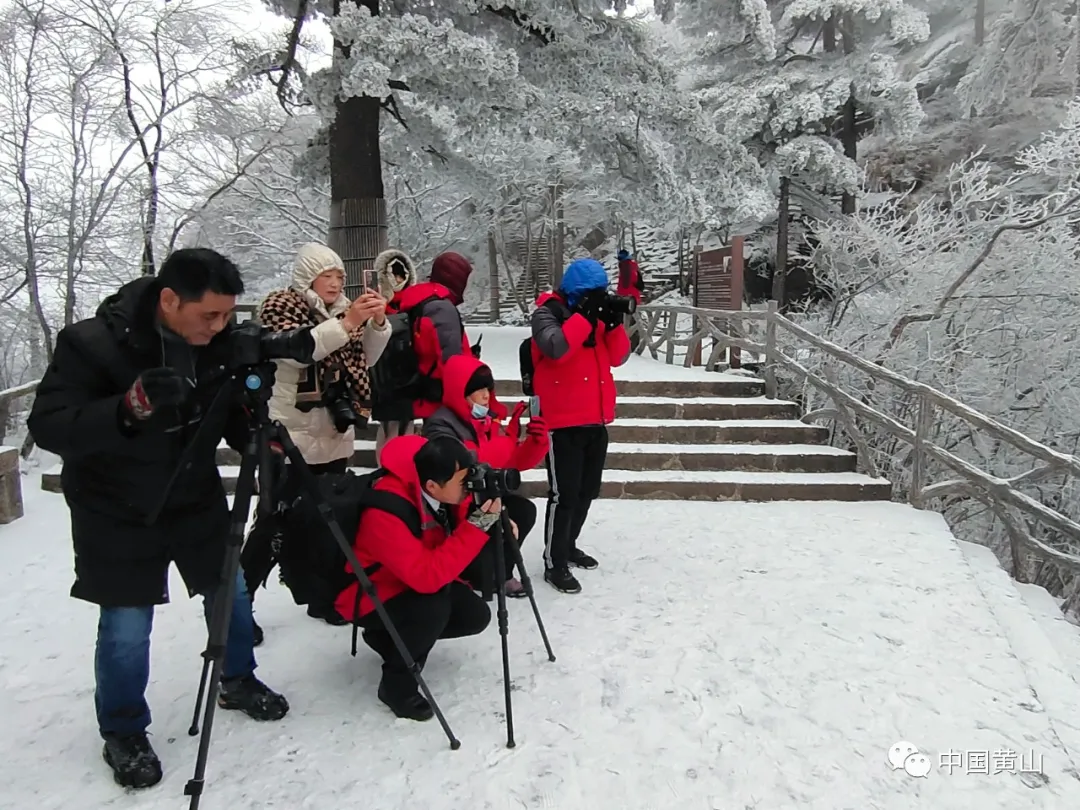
(579, 74)
(969, 292)
(790, 80)
(1030, 44)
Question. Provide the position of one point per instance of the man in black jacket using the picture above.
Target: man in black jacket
(131, 395)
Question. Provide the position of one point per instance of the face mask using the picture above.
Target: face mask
(479, 411)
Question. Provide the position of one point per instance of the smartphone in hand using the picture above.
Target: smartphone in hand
(534, 406)
(369, 281)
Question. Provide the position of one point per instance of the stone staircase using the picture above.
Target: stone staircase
(713, 440)
(701, 439)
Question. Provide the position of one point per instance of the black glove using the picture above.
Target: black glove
(591, 304)
(610, 317)
(475, 348)
(153, 389)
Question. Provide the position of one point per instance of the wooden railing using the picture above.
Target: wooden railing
(911, 439)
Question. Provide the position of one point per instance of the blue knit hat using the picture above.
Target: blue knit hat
(624, 254)
(580, 276)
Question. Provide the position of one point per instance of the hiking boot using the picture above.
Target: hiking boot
(327, 614)
(133, 761)
(409, 707)
(514, 589)
(562, 580)
(256, 633)
(580, 559)
(253, 697)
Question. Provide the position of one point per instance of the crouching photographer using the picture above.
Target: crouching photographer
(472, 414)
(320, 401)
(417, 575)
(136, 401)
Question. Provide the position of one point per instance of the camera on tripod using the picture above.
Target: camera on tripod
(252, 345)
(488, 483)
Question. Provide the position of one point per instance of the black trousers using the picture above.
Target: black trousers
(575, 468)
(523, 512)
(421, 619)
(259, 555)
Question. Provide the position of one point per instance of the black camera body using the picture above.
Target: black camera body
(251, 345)
(620, 304)
(338, 401)
(488, 483)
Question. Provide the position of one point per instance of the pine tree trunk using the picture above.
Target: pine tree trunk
(779, 278)
(358, 225)
(850, 136)
(493, 275)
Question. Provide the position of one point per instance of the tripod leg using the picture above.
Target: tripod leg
(504, 629)
(309, 484)
(526, 583)
(221, 613)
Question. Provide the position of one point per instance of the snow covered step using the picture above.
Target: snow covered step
(635, 407)
(711, 431)
(705, 485)
(1053, 689)
(723, 386)
(748, 457)
(760, 457)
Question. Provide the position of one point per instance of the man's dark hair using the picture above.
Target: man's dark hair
(193, 272)
(440, 458)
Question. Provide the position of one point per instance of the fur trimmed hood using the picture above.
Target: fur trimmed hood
(390, 284)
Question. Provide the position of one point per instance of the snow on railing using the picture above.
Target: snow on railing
(1044, 531)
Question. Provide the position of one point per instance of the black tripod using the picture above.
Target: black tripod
(501, 532)
(257, 387)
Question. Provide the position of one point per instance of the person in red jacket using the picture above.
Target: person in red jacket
(630, 281)
(438, 331)
(472, 414)
(630, 284)
(577, 340)
(418, 580)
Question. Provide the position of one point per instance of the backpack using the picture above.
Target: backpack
(397, 375)
(312, 562)
(526, 366)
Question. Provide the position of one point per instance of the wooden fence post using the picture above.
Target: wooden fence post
(770, 351)
(924, 421)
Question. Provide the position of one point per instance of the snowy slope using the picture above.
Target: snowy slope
(724, 656)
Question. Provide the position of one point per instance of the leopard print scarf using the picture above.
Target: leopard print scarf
(287, 309)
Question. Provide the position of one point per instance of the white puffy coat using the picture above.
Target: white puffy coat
(314, 432)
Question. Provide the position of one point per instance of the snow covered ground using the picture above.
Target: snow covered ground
(724, 656)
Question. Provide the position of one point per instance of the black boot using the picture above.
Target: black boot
(580, 559)
(562, 580)
(132, 759)
(327, 614)
(253, 697)
(412, 706)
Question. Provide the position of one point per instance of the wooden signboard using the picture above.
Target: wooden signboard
(718, 284)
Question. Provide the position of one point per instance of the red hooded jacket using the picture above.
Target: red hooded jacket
(486, 437)
(438, 333)
(574, 381)
(423, 565)
(630, 281)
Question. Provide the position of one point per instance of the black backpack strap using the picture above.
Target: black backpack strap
(401, 508)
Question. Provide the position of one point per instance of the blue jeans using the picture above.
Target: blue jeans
(122, 659)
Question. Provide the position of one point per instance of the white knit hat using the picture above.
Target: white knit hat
(311, 260)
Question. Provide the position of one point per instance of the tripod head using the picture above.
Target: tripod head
(253, 384)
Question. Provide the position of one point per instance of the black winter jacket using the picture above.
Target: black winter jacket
(114, 479)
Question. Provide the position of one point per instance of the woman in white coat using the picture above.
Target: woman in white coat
(318, 404)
